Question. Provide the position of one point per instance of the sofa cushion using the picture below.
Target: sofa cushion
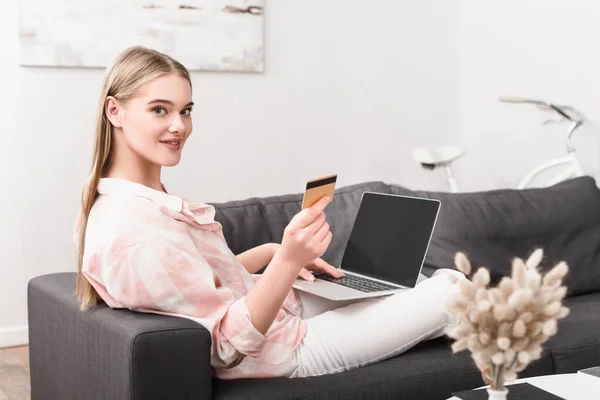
(427, 371)
(244, 224)
(495, 226)
(577, 343)
(430, 370)
(251, 222)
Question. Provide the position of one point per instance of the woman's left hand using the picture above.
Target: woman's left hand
(321, 266)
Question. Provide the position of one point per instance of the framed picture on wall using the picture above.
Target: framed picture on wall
(205, 35)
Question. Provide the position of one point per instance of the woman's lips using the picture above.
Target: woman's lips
(172, 144)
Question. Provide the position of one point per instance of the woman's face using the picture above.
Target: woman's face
(156, 122)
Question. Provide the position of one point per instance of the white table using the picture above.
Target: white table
(574, 386)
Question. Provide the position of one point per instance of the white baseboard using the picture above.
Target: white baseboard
(17, 336)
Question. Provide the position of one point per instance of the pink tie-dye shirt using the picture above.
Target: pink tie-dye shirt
(151, 251)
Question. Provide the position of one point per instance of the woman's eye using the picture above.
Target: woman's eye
(159, 110)
(187, 111)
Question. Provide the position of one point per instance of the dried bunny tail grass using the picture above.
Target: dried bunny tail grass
(458, 331)
(526, 317)
(481, 277)
(554, 277)
(564, 311)
(481, 300)
(459, 304)
(487, 322)
(520, 344)
(559, 293)
(485, 354)
(535, 353)
(498, 358)
(519, 329)
(482, 357)
(474, 316)
(552, 309)
(520, 298)
(510, 376)
(484, 305)
(486, 374)
(550, 327)
(453, 309)
(519, 269)
(485, 338)
(464, 319)
(473, 343)
(533, 279)
(535, 328)
(504, 312)
(519, 367)
(462, 263)
(509, 356)
(505, 326)
(481, 294)
(460, 345)
(535, 259)
(467, 288)
(506, 287)
(495, 296)
(503, 343)
(524, 357)
(543, 298)
(504, 330)
(538, 340)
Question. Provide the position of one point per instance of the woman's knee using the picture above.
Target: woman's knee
(449, 272)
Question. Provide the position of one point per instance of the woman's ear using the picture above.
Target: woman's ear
(113, 111)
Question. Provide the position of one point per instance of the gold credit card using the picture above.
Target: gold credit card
(318, 188)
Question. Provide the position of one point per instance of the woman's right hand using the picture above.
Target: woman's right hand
(307, 236)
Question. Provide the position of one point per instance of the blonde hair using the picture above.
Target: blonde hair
(132, 69)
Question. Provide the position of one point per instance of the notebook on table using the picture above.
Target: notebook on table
(518, 391)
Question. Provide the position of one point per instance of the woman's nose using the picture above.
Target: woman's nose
(177, 125)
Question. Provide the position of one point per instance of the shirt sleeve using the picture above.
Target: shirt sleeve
(170, 278)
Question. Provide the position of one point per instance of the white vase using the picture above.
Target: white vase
(497, 394)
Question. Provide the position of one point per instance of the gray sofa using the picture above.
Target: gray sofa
(119, 354)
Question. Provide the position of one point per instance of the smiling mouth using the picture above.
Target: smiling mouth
(172, 145)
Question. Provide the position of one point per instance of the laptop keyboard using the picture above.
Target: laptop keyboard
(357, 282)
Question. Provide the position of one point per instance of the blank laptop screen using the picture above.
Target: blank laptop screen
(390, 237)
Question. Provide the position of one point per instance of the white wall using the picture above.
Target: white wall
(537, 48)
(349, 87)
(13, 270)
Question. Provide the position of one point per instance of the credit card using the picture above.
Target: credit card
(318, 188)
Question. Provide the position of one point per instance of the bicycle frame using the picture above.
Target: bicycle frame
(573, 171)
(574, 168)
(451, 179)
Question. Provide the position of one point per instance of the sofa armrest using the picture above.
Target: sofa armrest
(112, 354)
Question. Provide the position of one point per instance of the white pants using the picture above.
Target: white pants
(351, 334)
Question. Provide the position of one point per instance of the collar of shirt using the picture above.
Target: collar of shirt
(197, 214)
(112, 186)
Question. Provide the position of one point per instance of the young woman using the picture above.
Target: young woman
(145, 249)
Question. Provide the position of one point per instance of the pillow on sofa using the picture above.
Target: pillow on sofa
(493, 227)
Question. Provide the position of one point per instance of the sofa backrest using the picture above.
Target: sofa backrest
(252, 222)
(495, 226)
(491, 227)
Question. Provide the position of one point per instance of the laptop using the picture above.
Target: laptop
(386, 249)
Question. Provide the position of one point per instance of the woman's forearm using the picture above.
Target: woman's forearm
(266, 297)
(258, 257)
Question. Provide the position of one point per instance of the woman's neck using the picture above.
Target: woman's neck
(134, 176)
(136, 170)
